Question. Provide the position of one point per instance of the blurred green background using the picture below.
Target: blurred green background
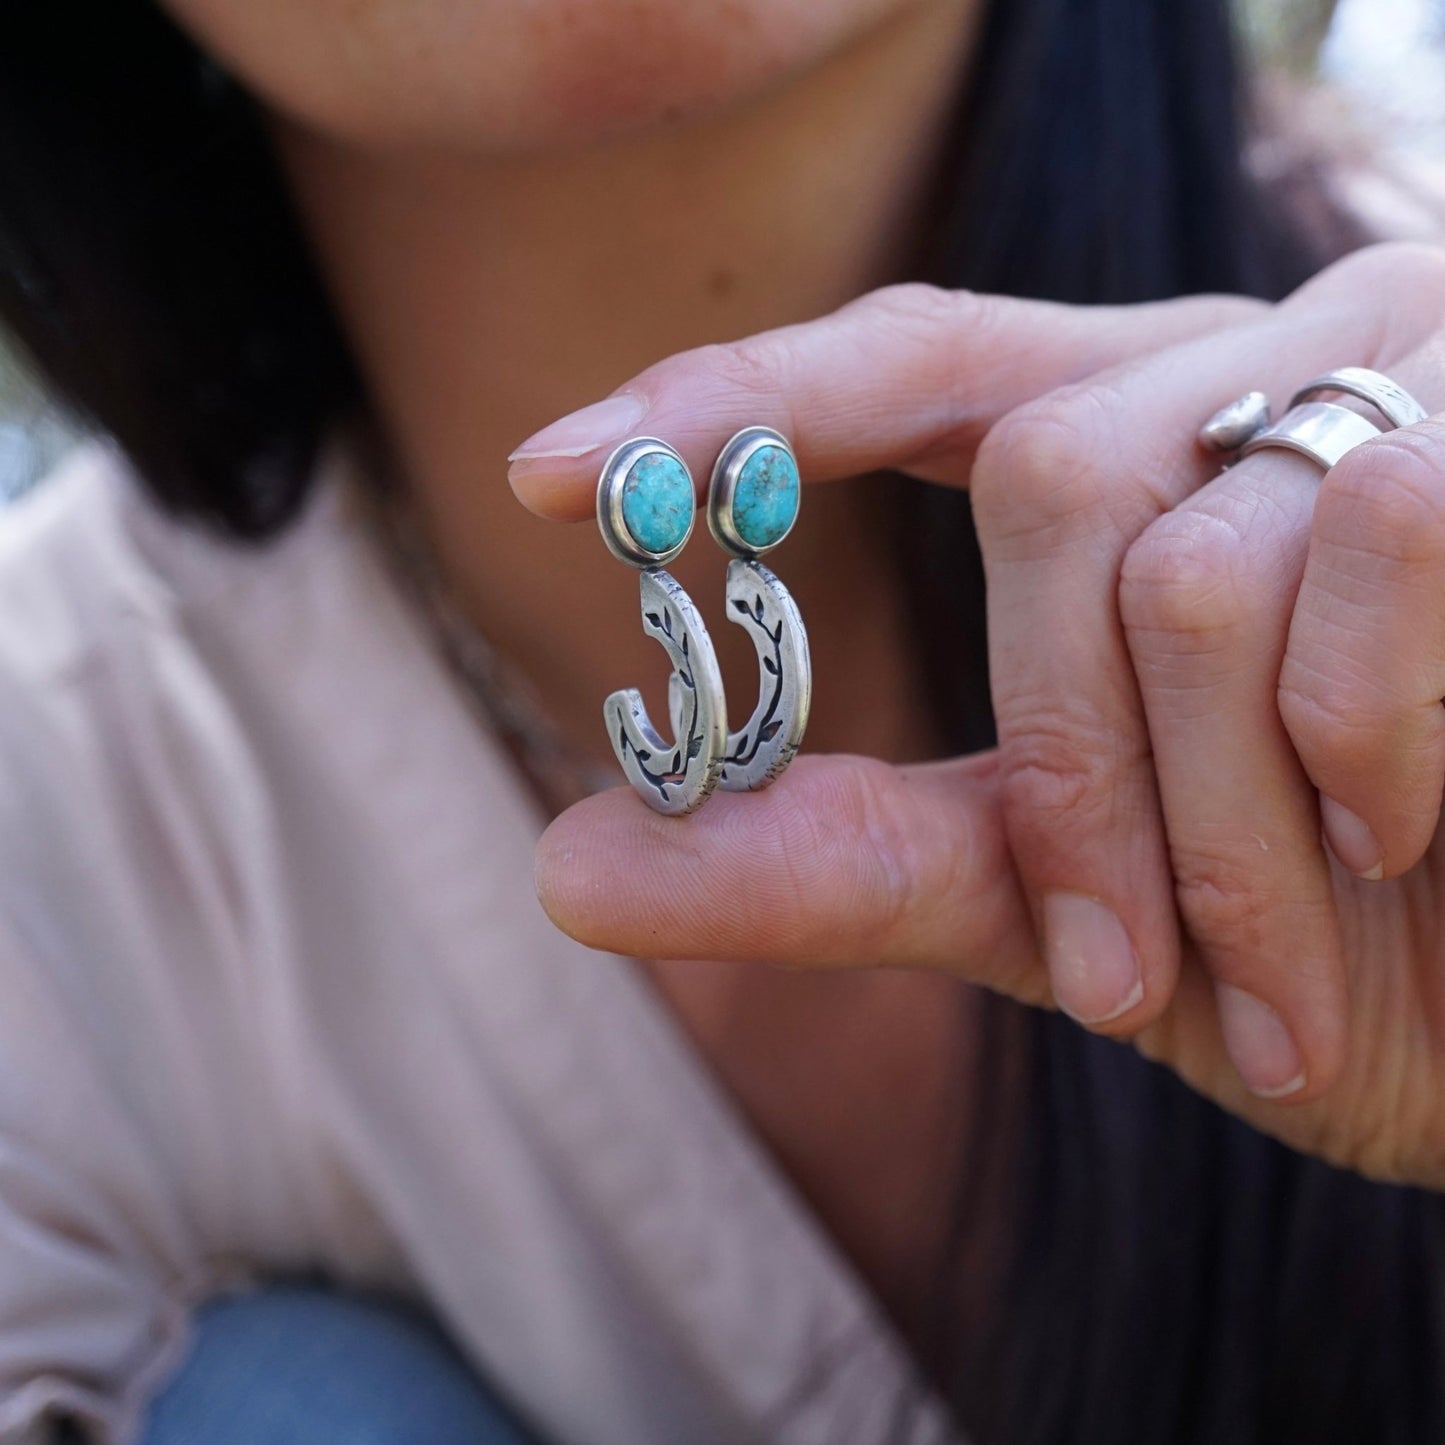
(1289, 33)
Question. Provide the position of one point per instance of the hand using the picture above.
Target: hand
(1211, 823)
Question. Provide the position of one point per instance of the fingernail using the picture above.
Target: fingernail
(604, 422)
(1258, 1043)
(1351, 840)
(1092, 966)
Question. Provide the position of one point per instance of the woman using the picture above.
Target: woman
(278, 998)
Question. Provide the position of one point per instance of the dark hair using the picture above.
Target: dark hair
(152, 265)
(1171, 1275)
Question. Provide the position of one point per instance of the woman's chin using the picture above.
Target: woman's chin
(555, 74)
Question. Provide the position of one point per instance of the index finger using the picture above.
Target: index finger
(909, 377)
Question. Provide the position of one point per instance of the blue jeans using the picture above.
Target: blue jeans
(302, 1364)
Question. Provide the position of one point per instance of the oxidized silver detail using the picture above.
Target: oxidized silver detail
(723, 483)
(672, 777)
(620, 542)
(1388, 397)
(1319, 430)
(758, 752)
(1231, 426)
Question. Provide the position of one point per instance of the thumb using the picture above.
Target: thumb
(845, 861)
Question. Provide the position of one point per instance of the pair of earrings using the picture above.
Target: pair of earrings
(645, 508)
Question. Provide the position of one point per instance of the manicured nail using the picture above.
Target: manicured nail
(1092, 966)
(604, 423)
(1259, 1044)
(1351, 840)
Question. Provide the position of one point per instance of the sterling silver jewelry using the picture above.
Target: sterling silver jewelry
(645, 507)
(1390, 399)
(1322, 431)
(753, 499)
(1319, 430)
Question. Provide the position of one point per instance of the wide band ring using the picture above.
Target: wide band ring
(1319, 430)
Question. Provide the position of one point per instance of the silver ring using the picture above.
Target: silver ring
(1319, 430)
(1390, 399)
(1322, 431)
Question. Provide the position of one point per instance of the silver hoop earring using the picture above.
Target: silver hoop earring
(645, 509)
(752, 503)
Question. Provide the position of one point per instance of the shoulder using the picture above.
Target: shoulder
(95, 577)
(88, 562)
(68, 571)
(73, 587)
(122, 714)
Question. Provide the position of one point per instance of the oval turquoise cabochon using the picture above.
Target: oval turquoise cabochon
(765, 500)
(657, 502)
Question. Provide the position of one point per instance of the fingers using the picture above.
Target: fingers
(1361, 686)
(1258, 690)
(1062, 489)
(1163, 724)
(909, 377)
(845, 861)
(1205, 596)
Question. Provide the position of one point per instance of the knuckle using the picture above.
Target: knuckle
(1037, 471)
(1058, 771)
(885, 867)
(920, 303)
(947, 315)
(1185, 575)
(1358, 740)
(931, 323)
(1326, 721)
(941, 331)
(1220, 897)
(1384, 501)
(757, 365)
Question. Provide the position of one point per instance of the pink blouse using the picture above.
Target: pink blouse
(276, 993)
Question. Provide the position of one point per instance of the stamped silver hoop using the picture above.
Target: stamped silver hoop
(672, 777)
(645, 512)
(753, 500)
(757, 752)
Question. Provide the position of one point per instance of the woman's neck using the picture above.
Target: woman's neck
(486, 295)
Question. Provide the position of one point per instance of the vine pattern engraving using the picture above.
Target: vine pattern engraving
(673, 777)
(770, 739)
(742, 749)
(661, 624)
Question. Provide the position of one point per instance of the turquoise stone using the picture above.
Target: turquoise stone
(765, 500)
(657, 502)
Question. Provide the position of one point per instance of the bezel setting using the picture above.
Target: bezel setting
(722, 486)
(610, 520)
